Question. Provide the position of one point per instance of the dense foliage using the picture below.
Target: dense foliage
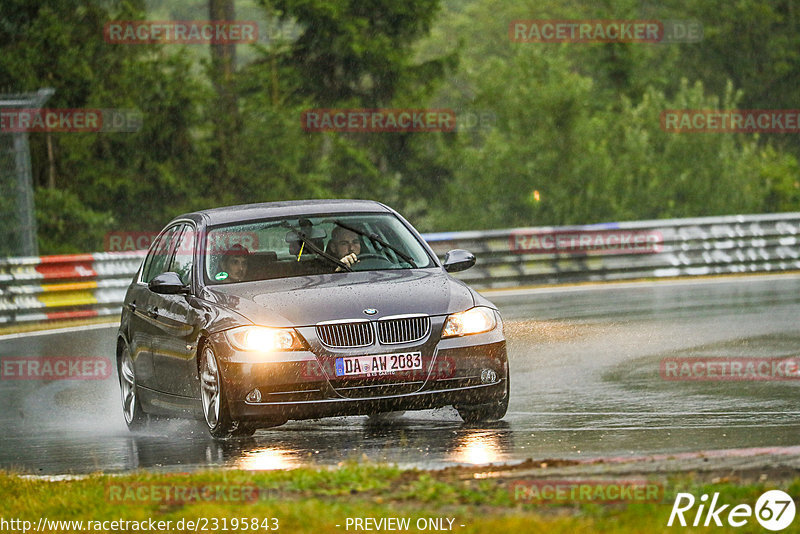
(568, 133)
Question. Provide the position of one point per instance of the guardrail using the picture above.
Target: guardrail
(91, 285)
(74, 286)
(665, 248)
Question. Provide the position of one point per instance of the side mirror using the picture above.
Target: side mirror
(458, 260)
(168, 283)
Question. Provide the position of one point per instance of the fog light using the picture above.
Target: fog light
(488, 376)
(254, 396)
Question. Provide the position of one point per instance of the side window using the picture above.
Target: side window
(159, 256)
(184, 255)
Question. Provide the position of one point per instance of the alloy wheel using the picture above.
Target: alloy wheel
(209, 376)
(128, 387)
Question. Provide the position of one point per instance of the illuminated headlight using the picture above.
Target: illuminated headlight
(472, 321)
(265, 339)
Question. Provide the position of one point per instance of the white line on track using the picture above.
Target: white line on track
(654, 413)
(639, 427)
(630, 285)
(66, 330)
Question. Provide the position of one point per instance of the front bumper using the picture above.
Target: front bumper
(301, 385)
(419, 400)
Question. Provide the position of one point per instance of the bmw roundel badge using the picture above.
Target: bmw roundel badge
(370, 311)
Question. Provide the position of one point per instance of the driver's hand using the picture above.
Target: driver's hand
(348, 260)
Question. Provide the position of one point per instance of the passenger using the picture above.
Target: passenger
(234, 264)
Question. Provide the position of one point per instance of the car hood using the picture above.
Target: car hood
(307, 300)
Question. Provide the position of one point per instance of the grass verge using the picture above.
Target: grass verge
(321, 501)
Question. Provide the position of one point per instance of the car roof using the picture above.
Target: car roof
(267, 210)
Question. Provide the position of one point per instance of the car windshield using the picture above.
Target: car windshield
(303, 246)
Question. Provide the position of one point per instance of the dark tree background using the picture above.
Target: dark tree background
(574, 135)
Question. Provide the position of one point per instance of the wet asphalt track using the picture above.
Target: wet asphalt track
(585, 383)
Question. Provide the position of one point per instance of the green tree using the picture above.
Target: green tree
(110, 180)
(584, 132)
(361, 55)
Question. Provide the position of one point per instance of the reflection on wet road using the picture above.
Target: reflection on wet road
(585, 382)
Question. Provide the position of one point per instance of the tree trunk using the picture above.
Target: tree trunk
(226, 122)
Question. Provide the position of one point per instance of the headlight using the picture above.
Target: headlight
(265, 339)
(472, 321)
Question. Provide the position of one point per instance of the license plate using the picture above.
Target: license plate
(378, 364)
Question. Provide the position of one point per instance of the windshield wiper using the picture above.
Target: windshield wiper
(307, 242)
(377, 239)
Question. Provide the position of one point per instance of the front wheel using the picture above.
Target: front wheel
(135, 417)
(215, 406)
(484, 413)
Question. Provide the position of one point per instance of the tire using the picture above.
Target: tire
(485, 413)
(215, 405)
(132, 411)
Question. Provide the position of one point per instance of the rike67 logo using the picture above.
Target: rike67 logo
(774, 510)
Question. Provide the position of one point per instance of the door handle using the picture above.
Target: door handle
(153, 312)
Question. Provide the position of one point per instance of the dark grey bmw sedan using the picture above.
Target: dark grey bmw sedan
(249, 316)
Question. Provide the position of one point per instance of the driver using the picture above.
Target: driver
(234, 263)
(345, 245)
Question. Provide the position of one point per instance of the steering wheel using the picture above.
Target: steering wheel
(369, 260)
